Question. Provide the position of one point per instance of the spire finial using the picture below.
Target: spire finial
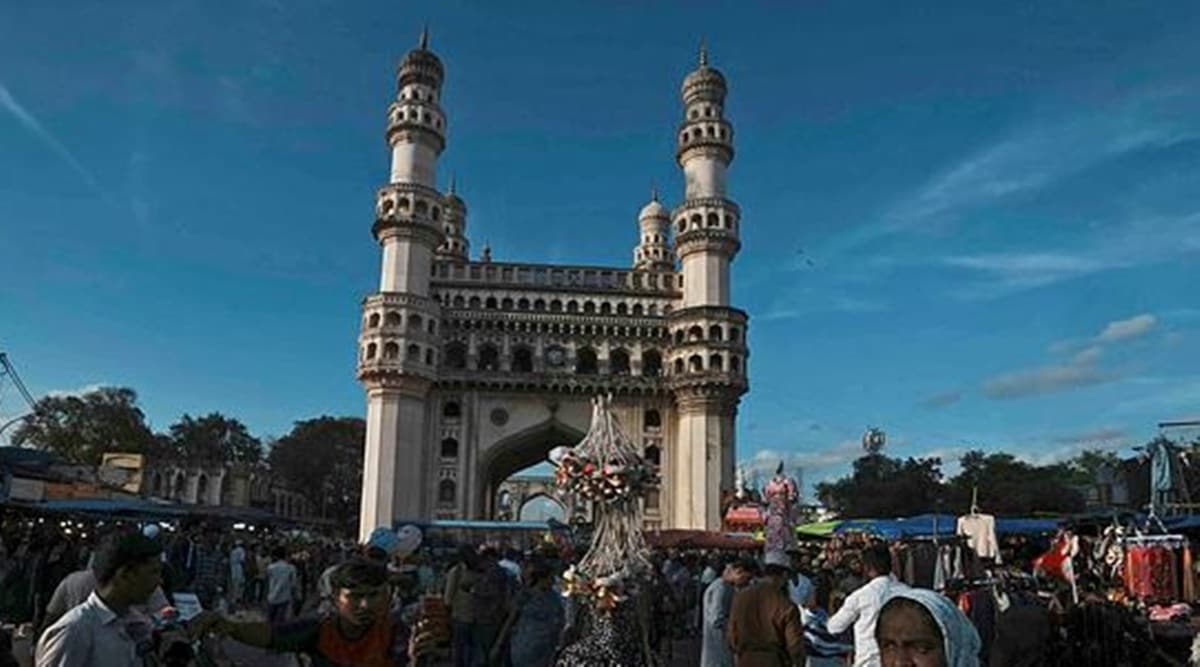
(453, 182)
(424, 43)
(653, 191)
(703, 53)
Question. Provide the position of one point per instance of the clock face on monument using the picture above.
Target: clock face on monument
(555, 356)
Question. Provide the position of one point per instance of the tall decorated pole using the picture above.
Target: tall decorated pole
(607, 470)
(781, 495)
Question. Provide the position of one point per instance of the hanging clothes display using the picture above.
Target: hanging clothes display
(1151, 568)
(980, 530)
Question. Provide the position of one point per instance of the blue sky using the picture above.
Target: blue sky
(999, 202)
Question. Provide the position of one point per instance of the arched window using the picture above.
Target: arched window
(373, 320)
(653, 420)
(413, 353)
(522, 304)
(697, 220)
(460, 302)
(391, 351)
(449, 448)
(606, 308)
(455, 356)
(431, 326)
(618, 362)
(522, 361)
(682, 226)
(437, 214)
(654, 455)
(572, 306)
(589, 307)
(678, 367)
(392, 319)
(652, 310)
(422, 208)
(490, 303)
(679, 337)
(695, 363)
(447, 492)
(715, 362)
(695, 333)
(201, 489)
(474, 302)
(539, 304)
(622, 309)
(651, 363)
(429, 357)
(415, 322)
(714, 332)
(451, 410)
(735, 333)
(585, 361)
(371, 350)
(489, 358)
(735, 364)
(556, 306)
(506, 304)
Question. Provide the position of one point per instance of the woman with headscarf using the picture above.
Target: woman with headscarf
(921, 628)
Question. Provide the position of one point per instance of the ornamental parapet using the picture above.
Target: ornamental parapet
(383, 382)
(708, 398)
(721, 241)
(555, 383)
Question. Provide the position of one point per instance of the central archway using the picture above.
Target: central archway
(542, 507)
(518, 452)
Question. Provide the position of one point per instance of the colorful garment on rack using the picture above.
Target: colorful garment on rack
(1057, 561)
(1150, 572)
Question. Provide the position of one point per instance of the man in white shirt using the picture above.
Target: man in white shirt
(106, 629)
(800, 587)
(237, 573)
(861, 608)
(282, 586)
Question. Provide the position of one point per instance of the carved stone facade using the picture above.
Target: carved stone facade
(475, 370)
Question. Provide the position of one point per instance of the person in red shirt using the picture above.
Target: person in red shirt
(362, 630)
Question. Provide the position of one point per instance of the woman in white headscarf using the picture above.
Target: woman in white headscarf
(922, 628)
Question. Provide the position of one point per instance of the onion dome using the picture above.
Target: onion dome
(452, 200)
(421, 65)
(654, 209)
(704, 82)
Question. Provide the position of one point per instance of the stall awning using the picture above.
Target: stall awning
(819, 529)
(699, 539)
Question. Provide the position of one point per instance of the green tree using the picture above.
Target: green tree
(880, 486)
(82, 428)
(213, 439)
(324, 456)
(1006, 485)
(1088, 464)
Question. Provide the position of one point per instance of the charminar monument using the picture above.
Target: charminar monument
(475, 369)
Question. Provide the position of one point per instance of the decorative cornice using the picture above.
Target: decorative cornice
(412, 132)
(704, 148)
(402, 299)
(689, 205)
(392, 380)
(720, 399)
(707, 313)
(707, 239)
(394, 227)
(553, 383)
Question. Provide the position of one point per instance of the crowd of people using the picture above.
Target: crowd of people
(115, 594)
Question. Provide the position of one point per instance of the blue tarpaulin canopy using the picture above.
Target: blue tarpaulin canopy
(927, 525)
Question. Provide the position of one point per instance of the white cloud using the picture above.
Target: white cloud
(1045, 380)
(9, 103)
(78, 391)
(1088, 355)
(1133, 327)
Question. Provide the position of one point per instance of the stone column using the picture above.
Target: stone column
(395, 486)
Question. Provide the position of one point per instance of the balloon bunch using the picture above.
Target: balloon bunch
(605, 482)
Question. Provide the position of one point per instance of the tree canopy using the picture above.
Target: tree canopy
(82, 428)
(880, 486)
(213, 438)
(324, 456)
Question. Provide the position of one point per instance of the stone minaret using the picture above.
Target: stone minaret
(653, 253)
(455, 244)
(708, 348)
(398, 347)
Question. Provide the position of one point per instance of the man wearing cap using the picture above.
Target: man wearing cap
(765, 629)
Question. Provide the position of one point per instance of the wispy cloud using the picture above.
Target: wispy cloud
(1133, 327)
(78, 391)
(35, 127)
(1104, 436)
(942, 400)
(1045, 380)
